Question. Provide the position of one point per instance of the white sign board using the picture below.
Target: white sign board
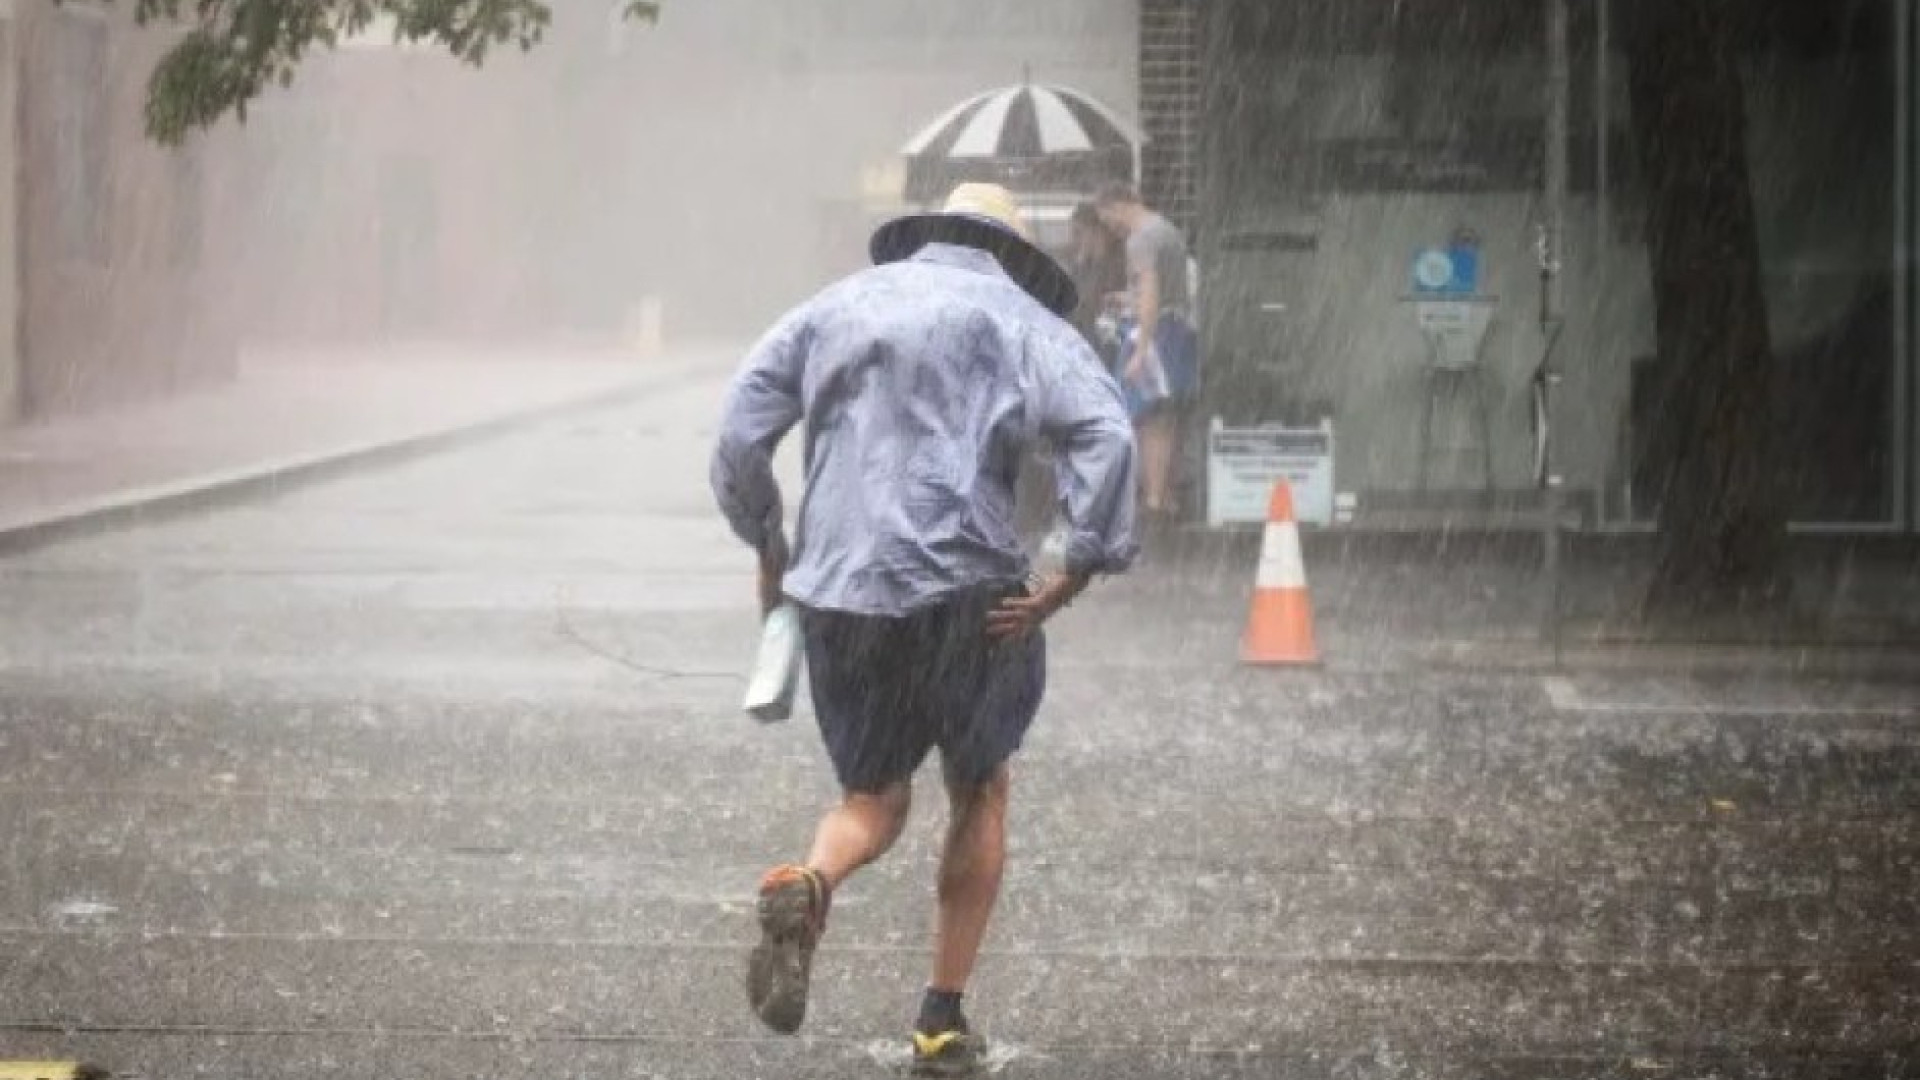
(1244, 463)
(1454, 328)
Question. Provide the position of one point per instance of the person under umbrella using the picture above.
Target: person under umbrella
(1098, 263)
(1164, 348)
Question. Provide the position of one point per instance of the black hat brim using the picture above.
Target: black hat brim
(1031, 268)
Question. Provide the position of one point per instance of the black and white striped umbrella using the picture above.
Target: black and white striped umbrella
(1028, 137)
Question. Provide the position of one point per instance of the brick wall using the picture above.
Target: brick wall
(1170, 106)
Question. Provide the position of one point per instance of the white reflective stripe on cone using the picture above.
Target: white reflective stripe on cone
(1281, 566)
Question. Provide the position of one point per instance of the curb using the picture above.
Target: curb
(226, 487)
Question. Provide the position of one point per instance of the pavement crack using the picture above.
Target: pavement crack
(567, 632)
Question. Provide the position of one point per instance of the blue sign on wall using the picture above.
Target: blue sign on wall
(1448, 271)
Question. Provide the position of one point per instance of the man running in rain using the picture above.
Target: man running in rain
(922, 380)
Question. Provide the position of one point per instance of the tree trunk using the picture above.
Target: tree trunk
(1723, 519)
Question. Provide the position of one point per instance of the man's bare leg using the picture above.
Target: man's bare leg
(971, 866)
(861, 829)
(794, 900)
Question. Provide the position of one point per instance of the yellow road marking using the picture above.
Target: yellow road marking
(44, 1070)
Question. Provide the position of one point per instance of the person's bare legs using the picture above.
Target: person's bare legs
(861, 829)
(1157, 436)
(971, 866)
(794, 901)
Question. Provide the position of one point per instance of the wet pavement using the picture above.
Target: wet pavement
(438, 771)
(281, 417)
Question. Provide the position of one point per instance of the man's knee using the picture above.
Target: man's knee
(970, 799)
(890, 804)
(976, 835)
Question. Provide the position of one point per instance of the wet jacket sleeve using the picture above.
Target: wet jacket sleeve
(1081, 413)
(762, 405)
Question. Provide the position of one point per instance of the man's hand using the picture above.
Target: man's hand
(1019, 616)
(773, 568)
(1136, 370)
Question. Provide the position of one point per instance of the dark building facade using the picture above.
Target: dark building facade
(1315, 147)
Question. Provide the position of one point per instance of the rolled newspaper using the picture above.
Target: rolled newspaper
(776, 667)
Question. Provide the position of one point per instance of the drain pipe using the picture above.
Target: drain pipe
(1552, 243)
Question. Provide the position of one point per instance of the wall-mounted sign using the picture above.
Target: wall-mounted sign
(1453, 325)
(1446, 271)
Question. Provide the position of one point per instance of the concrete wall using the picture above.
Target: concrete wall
(385, 198)
(718, 162)
(112, 262)
(12, 372)
(736, 187)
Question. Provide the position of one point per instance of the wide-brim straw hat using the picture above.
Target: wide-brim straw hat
(987, 217)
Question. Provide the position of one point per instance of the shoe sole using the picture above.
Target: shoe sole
(945, 1070)
(972, 1063)
(780, 967)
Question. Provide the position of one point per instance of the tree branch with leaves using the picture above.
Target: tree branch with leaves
(235, 50)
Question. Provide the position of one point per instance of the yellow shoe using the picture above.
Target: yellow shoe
(954, 1053)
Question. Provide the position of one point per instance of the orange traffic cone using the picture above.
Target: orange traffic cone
(1280, 624)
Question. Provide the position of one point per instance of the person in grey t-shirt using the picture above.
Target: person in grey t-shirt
(1161, 298)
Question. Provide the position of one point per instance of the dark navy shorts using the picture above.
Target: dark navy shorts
(1178, 346)
(888, 691)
